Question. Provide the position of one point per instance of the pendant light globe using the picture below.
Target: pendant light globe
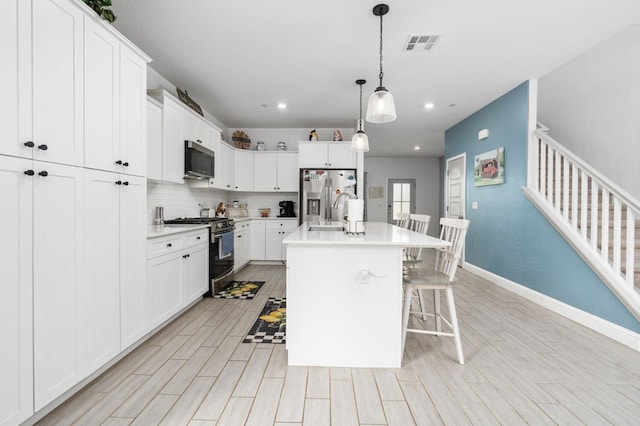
(360, 140)
(381, 107)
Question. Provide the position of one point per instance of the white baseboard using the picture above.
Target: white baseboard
(602, 326)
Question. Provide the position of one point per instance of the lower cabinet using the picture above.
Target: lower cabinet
(257, 249)
(177, 272)
(275, 232)
(242, 244)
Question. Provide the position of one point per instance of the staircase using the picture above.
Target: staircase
(599, 219)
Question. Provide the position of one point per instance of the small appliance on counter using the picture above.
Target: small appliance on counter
(286, 209)
(158, 217)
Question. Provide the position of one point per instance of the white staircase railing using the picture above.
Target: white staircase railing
(599, 219)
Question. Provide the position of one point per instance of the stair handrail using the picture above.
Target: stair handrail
(612, 187)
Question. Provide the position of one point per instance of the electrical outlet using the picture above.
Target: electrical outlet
(363, 276)
(474, 205)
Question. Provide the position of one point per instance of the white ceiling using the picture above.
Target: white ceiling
(234, 57)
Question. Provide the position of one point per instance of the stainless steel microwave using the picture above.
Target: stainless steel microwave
(198, 161)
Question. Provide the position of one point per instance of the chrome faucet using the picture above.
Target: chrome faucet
(344, 194)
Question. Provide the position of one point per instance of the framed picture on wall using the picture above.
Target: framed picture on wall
(489, 168)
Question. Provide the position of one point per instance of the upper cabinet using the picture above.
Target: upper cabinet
(115, 108)
(77, 93)
(331, 155)
(179, 124)
(244, 170)
(154, 139)
(275, 171)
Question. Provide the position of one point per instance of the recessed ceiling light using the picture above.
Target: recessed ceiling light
(429, 105)
(282, 105)
(416, 148)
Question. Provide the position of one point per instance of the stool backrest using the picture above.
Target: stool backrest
(418, 223)
(454, 231)
(403, 220)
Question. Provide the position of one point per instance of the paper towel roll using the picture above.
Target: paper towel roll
(355, 215)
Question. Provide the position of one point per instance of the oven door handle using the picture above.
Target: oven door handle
(224, 276)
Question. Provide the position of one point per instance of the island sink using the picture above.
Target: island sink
(326, 228)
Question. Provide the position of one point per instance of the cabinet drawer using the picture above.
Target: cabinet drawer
(191, 239)
(288, 226)
(160, 246)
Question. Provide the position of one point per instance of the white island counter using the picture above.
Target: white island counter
(344, 295)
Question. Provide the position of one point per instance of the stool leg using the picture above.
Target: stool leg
(436, 308)
(454, 324)
(408, 289)
(423, 307)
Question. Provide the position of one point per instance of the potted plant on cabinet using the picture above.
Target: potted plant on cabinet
(101, 8)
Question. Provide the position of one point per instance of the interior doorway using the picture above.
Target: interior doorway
(455, 186)
(401, 197)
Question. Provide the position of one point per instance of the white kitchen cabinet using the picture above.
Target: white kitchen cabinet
(275, 232)
(257, 246)
(16, 292)
(172, 141)
(115, 267)
(242, 244)
(243, 170)
(275, 171)
(154, 139)
(58, 280)
(333, 155)
(228, 166)
(177, 273)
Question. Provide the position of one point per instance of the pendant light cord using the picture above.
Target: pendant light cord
(381, 73)
(360, 120)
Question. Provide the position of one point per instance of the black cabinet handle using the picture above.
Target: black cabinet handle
(197, 238)
(118, 182)
(239, 236)
(29, 172)
(43, 173)
(29, 144)
(119, 162)
(168, 244)
(125, 183)
(185, 256)
(43, 147)
(198, 140)
(126, 164)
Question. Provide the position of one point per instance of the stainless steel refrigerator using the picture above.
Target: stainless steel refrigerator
(319, 190)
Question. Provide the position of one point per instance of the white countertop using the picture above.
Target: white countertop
(154, 231)
(376, 234)
(242, 219)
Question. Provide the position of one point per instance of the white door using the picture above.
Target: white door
(102, 285)
(401, 197)
(58, 82)
(133, 113)
(58, 279)
(455, 185)
(16, 323)
(134, 305)
(101, 97)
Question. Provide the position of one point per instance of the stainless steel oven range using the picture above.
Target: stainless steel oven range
(221, 256)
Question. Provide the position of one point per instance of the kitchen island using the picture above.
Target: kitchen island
(344, 294)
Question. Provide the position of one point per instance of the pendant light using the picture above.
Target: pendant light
(360, 140)
(381, 108)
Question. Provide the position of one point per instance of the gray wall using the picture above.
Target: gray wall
(592, 106)
(426, 172)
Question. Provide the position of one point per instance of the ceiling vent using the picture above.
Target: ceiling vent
(421, 42)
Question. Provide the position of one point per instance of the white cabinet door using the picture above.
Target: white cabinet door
(313, 154)
(243, 170)
(241, 244)
(58, 280)
(273, 244)
(154, 141)
(15, 98)
(257, 239)
(102, 284)
(133, 112)
(195, 273)
(214, 143)
(172, 142)
(288, 172)
(101, 97)
(57, 39)
(16, 320)
(164, 274)
(340, 156)
(202, 132)
(134, 309)
(265, 174)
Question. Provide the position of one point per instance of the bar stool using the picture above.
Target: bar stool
(441, 278)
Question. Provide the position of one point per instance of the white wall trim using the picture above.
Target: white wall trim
(602, 326)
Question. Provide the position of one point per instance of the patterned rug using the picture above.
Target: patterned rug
(271, 325)
(240, 290)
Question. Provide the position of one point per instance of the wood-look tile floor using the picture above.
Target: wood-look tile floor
(524, 365)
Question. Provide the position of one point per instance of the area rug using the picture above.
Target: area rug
(271, 325)
(240, 290)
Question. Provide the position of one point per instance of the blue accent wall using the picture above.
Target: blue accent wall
(508, 236)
